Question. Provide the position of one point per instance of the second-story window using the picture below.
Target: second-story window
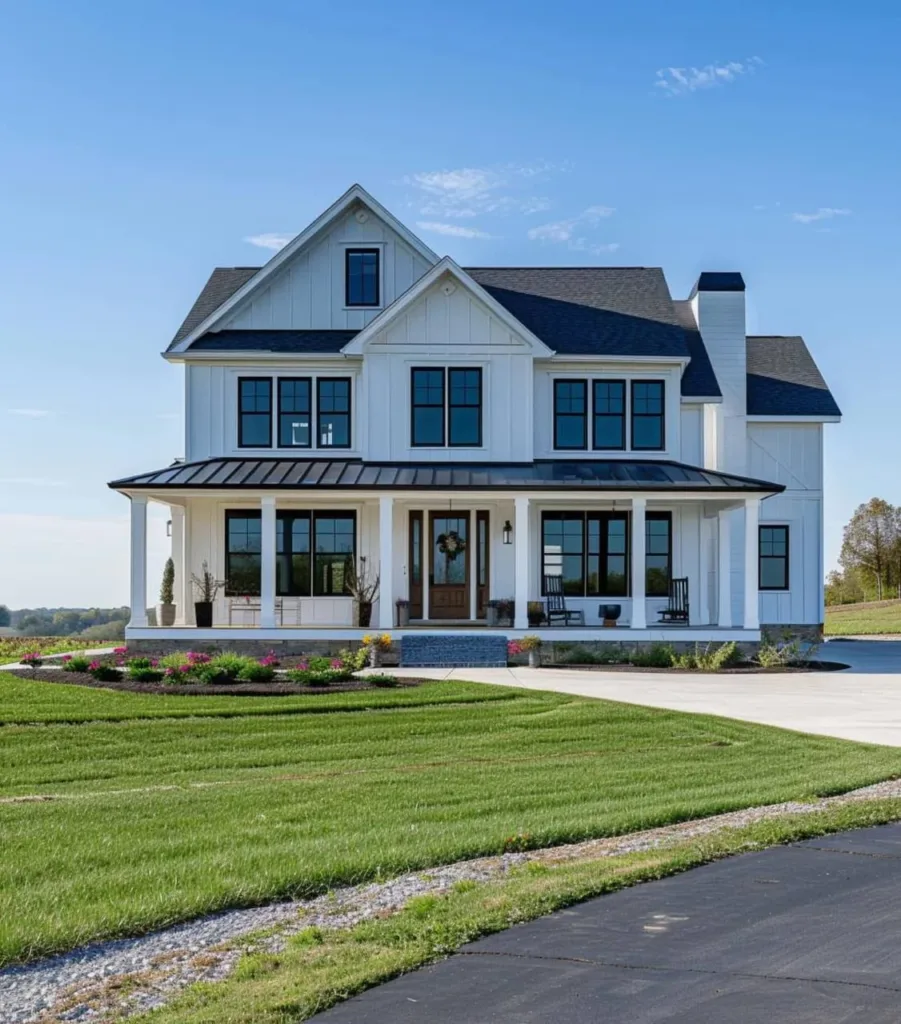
(446, 407)
(570, 414)
(254, 412)
(647, 415)
(361, 277)
(333, 412)
(464, 411)
(609, 415)
(294, 412)
(427, 408)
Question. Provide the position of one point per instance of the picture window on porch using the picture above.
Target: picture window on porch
(658, 553)
(647, 415)
(773, 558)
(254, 412)
(361, 276)
(294, 412)
(333, 412)
(571, 414)
(321, 569)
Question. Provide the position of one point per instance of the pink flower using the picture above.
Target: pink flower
(94, 665)
(120, 650)
(197, 657)
(65, 658)
(154, 662)
(336, 663)
(302, 666)
(514, 648)
(31, 658)
(185, 668)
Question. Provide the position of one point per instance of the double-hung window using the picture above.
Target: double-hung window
(446, 407)
(773, 557)
(295, 401)
(647, 415)
(658, 530)
(609, 415)
(333, 412)
(315, 553)
(570, 414)
(254, 412)
(361, 277)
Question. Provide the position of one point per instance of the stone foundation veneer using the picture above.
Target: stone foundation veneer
(779, 632)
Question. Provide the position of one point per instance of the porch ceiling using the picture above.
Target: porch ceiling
(609, 475)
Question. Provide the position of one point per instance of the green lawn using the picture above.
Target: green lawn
(863, 619)
(156, 819)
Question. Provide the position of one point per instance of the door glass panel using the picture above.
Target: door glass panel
(449, 569)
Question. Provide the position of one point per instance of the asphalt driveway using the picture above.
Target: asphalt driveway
(860, 703)
(808, 933)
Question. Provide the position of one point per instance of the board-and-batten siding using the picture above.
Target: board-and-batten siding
(792, 454)
(453, 329)
(308, 293)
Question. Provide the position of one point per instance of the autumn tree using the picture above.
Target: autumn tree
(871, 548)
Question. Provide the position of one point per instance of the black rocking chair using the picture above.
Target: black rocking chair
(556, 604)
(677, 609)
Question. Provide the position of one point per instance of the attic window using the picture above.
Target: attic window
(361, 277)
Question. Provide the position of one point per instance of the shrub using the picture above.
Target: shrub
(178, 674)
(773, 654)
(655, 656)
(318, 663)
(144, 675)
(76, 663)
(354, 660)
(32, 660)
(322, 677)
(256, 672)
(271, 659)
(381, 680)
(104, 673)
(514, 648)
(135, 664)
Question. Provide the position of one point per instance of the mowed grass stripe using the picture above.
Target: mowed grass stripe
(273, 806)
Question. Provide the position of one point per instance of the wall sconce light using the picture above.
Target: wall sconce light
(168, 527)
(508, 532)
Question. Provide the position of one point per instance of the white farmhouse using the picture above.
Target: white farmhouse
(564, 439)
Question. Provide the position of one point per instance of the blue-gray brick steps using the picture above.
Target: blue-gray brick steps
(437, 650)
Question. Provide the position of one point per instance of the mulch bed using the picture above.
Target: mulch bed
(273, 689)
(747, 669)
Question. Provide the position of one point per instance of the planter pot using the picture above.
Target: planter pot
(610, 613)
(403, 615)
(364, 613)
(490, 616)
(203, 614)
(534, 659)
(535, 621)
(165, 614)
(375, 657)
(505, 622)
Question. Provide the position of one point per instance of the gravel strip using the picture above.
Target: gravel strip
(107, 981)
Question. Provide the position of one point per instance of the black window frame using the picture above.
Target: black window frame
(284, 526)
(449, 402)
(280, 412)
(595, 414)
(414, 405)
(254, 412)
(604, 517)
(584, 415)
(350, 401)
(363, 251)
(784, 527)
(651, 517)
(633, 416)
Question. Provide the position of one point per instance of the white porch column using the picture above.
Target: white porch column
(639, 544)
(752, 597)
(138, 561)
(724, 570)
(521, 558)
(386, 562)
(179, 590)
(267, 563)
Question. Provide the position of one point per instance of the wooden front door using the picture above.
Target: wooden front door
(449, 570)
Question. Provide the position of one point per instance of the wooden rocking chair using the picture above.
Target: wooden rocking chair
(677, 608)
(556, 604)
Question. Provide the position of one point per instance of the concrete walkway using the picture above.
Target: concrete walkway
(861, 703)
(808, 933)
(91, 652)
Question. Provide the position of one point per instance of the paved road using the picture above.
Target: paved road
(861, 703)
(809, 933)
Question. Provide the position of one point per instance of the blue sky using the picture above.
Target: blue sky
(142, 144)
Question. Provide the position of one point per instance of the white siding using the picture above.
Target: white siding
(308, 293)
(692, 426)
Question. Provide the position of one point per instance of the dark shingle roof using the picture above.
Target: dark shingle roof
(699, 379)
(223, 283)
(352, 474)
(783, 380)
(302, 342)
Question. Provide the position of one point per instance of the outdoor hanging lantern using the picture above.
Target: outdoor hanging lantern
(508, 532)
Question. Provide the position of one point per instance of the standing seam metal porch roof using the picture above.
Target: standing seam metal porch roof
(352, 474)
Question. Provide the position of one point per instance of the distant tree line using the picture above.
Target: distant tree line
(101, 623)
(870, 559)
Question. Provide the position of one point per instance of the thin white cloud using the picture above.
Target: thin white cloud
(467, 192)
(584, 245)
(556, 231)
(569, 231)
(682, 81)
(269, 240)
(33, 413)
(823, 213)
(31, 481)
(453, 230)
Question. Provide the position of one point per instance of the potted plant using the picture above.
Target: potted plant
(165, 613)
(206, 587)
(506, 608)
(403, 611)
(491, 613)
(375, 644)
(531, 644)
(364, 589)
(535, 612)
(610, 613)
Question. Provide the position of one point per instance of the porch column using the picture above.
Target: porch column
(386, 563)
(639, 543)
(138, 561)
(267, 563)
(724, 570)
(521, 558)
(752, 598)
(179, 590)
